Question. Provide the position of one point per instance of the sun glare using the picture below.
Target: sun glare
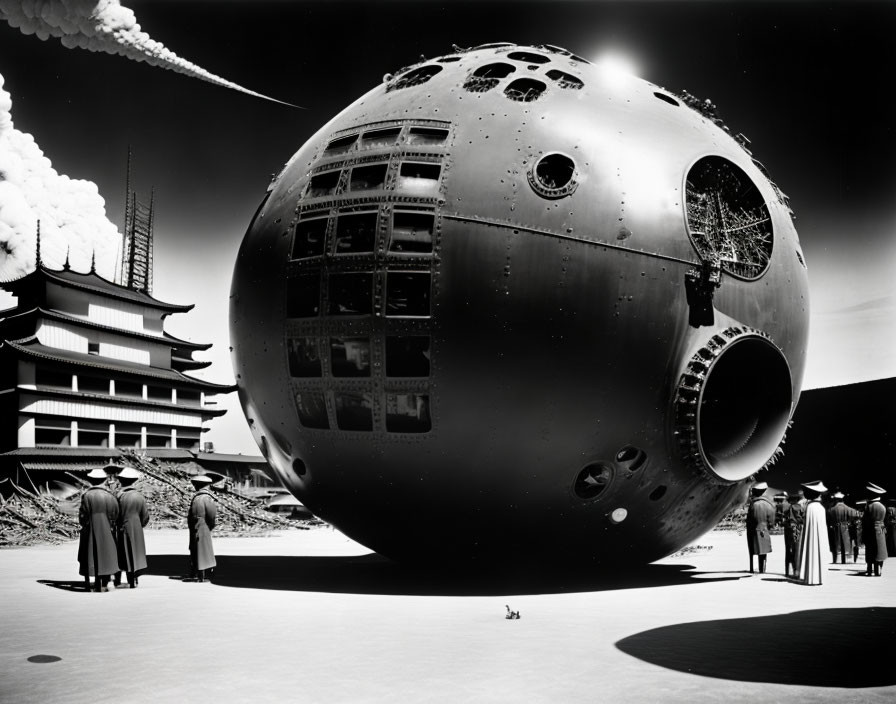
(616, 65)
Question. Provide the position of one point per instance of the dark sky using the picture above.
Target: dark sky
(808, 82)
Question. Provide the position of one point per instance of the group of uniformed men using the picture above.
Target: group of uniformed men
(811, 530)
(112, 525)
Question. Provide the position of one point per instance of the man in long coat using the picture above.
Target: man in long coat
(760, 521)
(97, 552)
(839, 517)
(133, 517)
(855, 529)
(201, 521)
(814, 544)
(873, 534)
(794, 515)
(890, 525)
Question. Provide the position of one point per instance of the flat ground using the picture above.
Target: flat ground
(310, 616)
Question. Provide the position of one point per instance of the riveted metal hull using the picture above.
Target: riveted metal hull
(449, 346)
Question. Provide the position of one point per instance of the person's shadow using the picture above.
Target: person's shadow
(819, 648)
(374, 574)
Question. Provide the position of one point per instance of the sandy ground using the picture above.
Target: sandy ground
(310, 616)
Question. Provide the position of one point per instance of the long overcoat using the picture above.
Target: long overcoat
(839, 517)
(132, 518)
(873, 532)
(97, 552)
(814, 545)
(201, 521)
(890, 525)
(760, 521)
(793, 530)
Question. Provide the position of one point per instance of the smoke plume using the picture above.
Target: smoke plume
(103, 25)
(72, 214)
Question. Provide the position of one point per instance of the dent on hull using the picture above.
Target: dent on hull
(502, 306)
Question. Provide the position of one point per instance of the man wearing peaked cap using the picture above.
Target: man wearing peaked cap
(200, 521)
(97, 553)
(839, 517)
(133, 517)
(873, 534)
(760, 521)
(814, 544)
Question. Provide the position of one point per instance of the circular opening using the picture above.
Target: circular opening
(727, 218)
(744, 408)
(592, 480)
(299, 467)
(525, 90)
(657, 493)
(555, 171)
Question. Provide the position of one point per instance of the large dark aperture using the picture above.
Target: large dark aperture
(744, 408)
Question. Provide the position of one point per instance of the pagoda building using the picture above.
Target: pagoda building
(86, 367)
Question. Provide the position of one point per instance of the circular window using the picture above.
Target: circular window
(592, 480)
(553, 176)
(727, 218)
(299, 467)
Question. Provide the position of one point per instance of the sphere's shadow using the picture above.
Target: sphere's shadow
(374, 574)
(848, 648)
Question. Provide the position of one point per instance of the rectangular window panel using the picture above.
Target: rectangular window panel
(407, 413)
(340, 145)
(350, 356)
(366, 178)
(419, 177)
(53, 378)
(407, 355)
(304, 359)
(312, 409)
(158, 393)
(93, 385)
(128, 389)
(355, 232)
(384, 137)
(323, 184)
(48, 436)
(427, 135)
(303, 296)
(351, 294)
(309, 238)
(412, 232)
(93, 348)
(354, 411)
(407, 294)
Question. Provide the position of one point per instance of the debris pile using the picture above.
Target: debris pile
(30, 517)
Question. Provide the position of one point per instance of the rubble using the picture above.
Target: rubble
(31, 517)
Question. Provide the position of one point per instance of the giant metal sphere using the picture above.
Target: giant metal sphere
(507, 304)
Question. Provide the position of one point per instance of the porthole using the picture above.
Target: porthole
(525, 90)
(299, 467)
(727, 218)
(592, 480)
(565, 80)
(631, 457)
(487, 77)
(618, 515)
(657, 493)
(528, 57)
(553, 176)
(414, 77)
(666, 98)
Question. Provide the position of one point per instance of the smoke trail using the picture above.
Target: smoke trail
(103, 25)
(72, 213)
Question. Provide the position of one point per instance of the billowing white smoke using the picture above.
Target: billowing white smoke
(102, 25)
(71, 212)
